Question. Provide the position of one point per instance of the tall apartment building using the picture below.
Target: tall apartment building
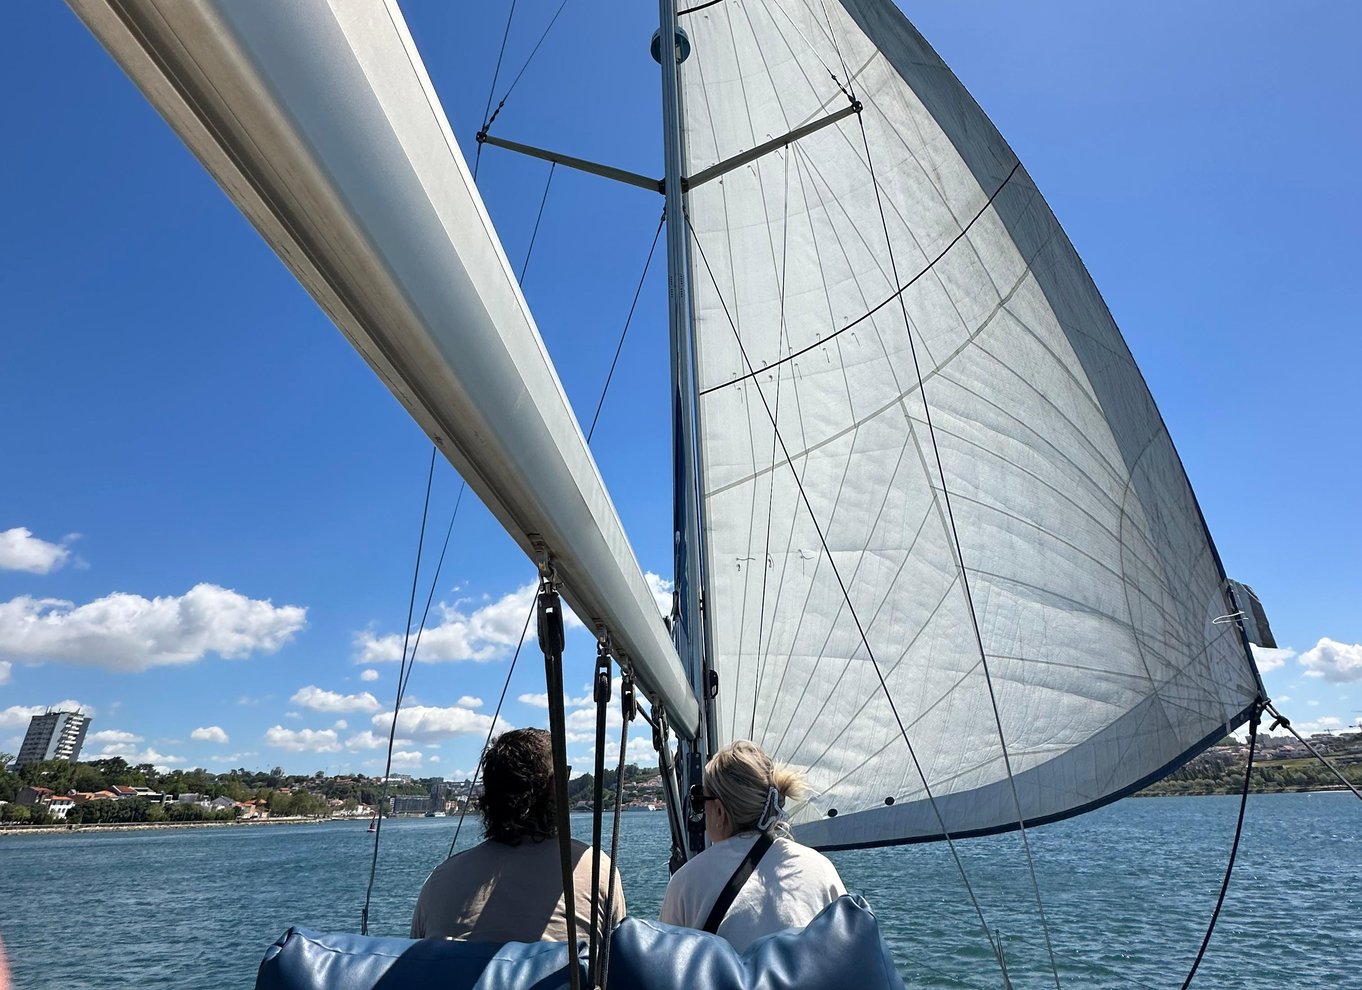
(54, 736)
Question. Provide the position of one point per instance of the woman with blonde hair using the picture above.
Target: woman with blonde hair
(754, 878)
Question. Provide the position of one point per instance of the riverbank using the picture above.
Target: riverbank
(64, 829)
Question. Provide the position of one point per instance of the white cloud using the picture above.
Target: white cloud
(18, 716)
(5, 668)
(20, 550)
(231, 758)
(1270, 659)
(136, 756)
(1326, 723)
(370, 740)
(329, 701)
(210, 733)
(662, 591)
(1333, 661)
(427, 724)
(126, 632)
(407, 759)
(368, 675)
(341, 724)
(292, 715)
(541, 700)
(468, 701)
(112, 736)
(483, 635)
(303, 740)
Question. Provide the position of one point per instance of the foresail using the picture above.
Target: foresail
(318, 119)
(955, 568)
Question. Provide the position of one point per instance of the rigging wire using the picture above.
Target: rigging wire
(628, 708)
(492, 89)
(1285, 722)
(959, 551)
(534, 600)
(534, 234)
(397, 704)
(1234, 849)
(627, 320)
(846, 595)
(487, 121)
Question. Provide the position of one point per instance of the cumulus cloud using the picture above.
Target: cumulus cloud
(17, 716)
(427, 724)
(368, 675)
(407, 759)
(1326, 723)
(20, 550)
(210, 733)
(662, 591)
(329, 701)
(1270, 659)
(124, 632)
(5, 667)
(341, 724)
(136, 756)
(541, 700)
(371, 740)
(1333, 661)
(112, 736)
(467, 701)
(303, 740)
(482, 635)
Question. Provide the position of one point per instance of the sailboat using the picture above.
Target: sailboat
(934, 545)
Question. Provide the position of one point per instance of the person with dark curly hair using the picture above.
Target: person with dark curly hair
(509, 887)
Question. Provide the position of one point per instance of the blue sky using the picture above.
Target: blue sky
(209, 506)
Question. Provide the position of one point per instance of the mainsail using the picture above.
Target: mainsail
(955, 568)
(319, 120)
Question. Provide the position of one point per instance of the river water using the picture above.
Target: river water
(1126, 891)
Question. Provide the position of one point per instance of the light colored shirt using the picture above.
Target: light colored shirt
(496, 892)
(788, 889)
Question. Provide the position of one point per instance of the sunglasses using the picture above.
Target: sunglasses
(698, 797)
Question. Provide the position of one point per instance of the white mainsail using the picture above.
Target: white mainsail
(955, 568)
(319, 121)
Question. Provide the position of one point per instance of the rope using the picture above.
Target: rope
(551, 642)
(627, 320)
(601, 691)
(1234, 850)
(534, 602)
(960, 558)
(865, 641)
(627, 711)
(1285, 722)
(402, 675)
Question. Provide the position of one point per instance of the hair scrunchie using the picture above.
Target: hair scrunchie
(770, 813)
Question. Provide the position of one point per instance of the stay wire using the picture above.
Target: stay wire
(534, 234)
(492, 89)
(1286, 724)
(397, 702)
(627, 321)
(851, 609)
(1234, 849)
(487, 121)
(495, 715)
(959, 554)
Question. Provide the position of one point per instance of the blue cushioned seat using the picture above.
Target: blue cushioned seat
(840, 948)
(304, 960)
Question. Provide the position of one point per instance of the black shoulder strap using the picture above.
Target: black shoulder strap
(735, 882)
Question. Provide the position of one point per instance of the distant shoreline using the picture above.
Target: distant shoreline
(77, 829)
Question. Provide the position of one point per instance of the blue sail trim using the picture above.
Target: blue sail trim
(1199, 747)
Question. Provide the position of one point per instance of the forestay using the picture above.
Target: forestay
(318, 119)
(969, 530)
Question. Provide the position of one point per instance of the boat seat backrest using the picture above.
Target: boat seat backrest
(306, 960)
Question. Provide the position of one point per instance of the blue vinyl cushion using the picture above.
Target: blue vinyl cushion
(840, 948)
(304, 960)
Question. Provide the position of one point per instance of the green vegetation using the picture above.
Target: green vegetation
(1280, 764)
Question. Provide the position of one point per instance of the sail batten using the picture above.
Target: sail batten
(941, 501)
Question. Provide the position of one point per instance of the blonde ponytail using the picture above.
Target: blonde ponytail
(752, 789)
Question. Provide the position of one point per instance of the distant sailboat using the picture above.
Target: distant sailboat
(934, 544)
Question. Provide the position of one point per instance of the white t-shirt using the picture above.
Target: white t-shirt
(788, 889)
